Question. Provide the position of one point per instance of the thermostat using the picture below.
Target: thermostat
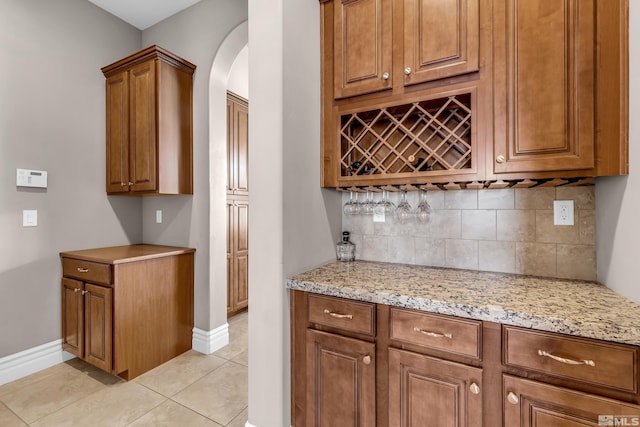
(31, 178)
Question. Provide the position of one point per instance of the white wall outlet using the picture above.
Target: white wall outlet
(158, 216)
(563, 212)
(29, 218)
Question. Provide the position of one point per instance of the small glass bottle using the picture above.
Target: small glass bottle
(345, 250)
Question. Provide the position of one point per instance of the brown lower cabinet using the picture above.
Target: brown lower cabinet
(364, 364)
(127, 309)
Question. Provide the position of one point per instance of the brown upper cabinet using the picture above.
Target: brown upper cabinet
(440, 39)
(468, 92)
(149, 104)
(237, 145)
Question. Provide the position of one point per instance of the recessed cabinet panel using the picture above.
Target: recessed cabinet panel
(341, 389)
(72, 317)
(117, 133)
(533, 404)
(98, 323)
(544, 87)
(425, 391)
(143, 132)
(441, 39)
(362, 46)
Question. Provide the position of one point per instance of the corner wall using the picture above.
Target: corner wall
(618, 198)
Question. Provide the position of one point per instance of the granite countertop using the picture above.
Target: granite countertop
(586, 309)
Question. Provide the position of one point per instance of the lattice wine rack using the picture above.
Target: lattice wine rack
(427, 137)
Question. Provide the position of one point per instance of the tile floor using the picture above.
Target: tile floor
(189, 390)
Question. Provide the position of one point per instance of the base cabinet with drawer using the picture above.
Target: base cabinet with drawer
(127, 309)
(364, 364)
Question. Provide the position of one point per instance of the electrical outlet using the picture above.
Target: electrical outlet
(563, 212)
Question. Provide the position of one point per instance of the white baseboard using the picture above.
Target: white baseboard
(32, 360)
(207, 342)
(248, 424)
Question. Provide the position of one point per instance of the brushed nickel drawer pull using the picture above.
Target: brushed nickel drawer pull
(338, 315)
(567, 361)
(83, 270)
(432, 334)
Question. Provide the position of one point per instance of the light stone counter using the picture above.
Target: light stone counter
(580, 308)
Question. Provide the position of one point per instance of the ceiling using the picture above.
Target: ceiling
(143, 13)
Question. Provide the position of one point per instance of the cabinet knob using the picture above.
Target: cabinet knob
(385, 76)
(512, 398)
(85, 292)
(76, 289)
(407, 71)
(500, 159)
(474, 388)
(366, 360)
(130, 183)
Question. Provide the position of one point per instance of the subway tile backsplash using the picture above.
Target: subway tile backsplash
(508, 230)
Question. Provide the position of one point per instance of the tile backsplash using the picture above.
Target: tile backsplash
(509, 230)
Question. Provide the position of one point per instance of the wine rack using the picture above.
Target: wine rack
(430, 137)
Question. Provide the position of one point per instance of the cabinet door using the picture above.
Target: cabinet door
(117, 133)
(425, 391)
(142, 122)
(362, 46)
(237, 145)
(241, 255)
(441, 39)
(341, 387)
(533, 404)
(72, 317)
(544, 63)
(98, 321)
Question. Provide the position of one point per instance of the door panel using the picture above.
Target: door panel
(117, 133)
(143, 167)
(98, 329)
(72, 317)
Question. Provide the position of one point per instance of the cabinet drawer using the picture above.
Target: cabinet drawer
(455, 335)
(591, 361)
(87, 271)
(351, 316)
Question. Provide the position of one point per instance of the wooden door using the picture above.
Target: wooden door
(117, 106)
(441, 39)
(241, 254)
(532, 404)
(237, 145)
(429, 392)
(341, 383)
(142, 121)
(98, 321)
(72, 317)
(362, 46)
(544, 71)
(237, 255)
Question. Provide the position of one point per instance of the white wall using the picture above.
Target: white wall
(239, 74)
(618, 198)
(52, 117)
(294, 224)
(196, 34)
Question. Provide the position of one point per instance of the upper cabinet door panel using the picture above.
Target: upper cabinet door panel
(544, 85)
(143, 166)
(362, 46)
(441, 39)
(117, 133)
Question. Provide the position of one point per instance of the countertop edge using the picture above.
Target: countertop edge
(604, 331)
(109, 255)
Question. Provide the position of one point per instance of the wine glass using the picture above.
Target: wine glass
(352, 207)
(386, 205)
(423, 211)
(368, 205)
(404, 212)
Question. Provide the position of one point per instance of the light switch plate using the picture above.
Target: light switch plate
(158, 216)
(563, 212)
(29, 218)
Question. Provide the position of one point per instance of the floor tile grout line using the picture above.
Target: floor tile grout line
(152, 409)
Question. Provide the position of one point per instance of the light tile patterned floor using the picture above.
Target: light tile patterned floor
(190, 390)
